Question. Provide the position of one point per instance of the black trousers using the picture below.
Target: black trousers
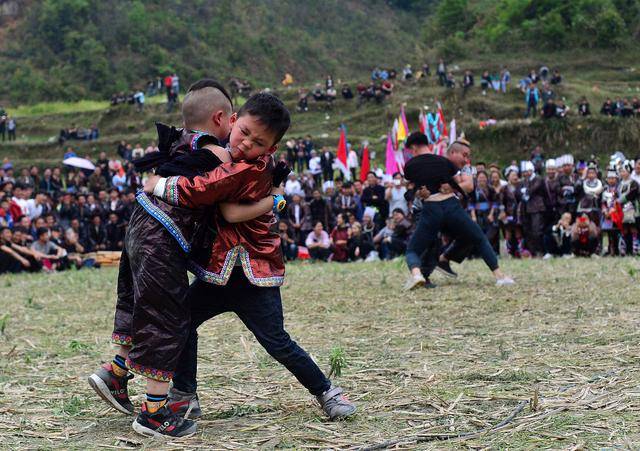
(260, 309)
(534, 229)
(152, 314)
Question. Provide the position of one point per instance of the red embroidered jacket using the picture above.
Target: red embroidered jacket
(252, 243)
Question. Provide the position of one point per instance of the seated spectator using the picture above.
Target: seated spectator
(627, 108)
(618, 107)
(383, 238)
(288, 244)
(386, 87)
(584, 108)
(607, 108)
(584, 237)
(318, 243)
(359, 246)
(14, 258)
(331, 94)
(339, 238)
(303, 101)
(635, 104)
(450, 81)
(549, 109)
(318, 93)
(51, 253)
(557, 78)
(347, 94)
(557, 242)
(407, 73)
(561, 109)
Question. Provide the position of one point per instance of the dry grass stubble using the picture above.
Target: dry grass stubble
(557, 356)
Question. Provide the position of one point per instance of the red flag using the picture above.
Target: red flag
(617, 216)
(365, 167)
(443, 123)
(341, 155)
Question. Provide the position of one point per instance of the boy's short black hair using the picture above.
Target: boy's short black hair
(417, 139)
(210, 83)
(41, 231)
(270, 111)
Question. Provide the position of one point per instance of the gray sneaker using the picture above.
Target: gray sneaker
(335, 404)
(185, 405)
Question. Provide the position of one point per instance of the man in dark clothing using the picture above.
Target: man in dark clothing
(549, 109)
(115, 233)
(374, 196)
(97, 235)
(320, 210)
(326, 163)
(467, 82)
(551, 197)
(533, 195)
(442, 210)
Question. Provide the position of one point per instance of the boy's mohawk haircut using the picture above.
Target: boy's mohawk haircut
(210, 83)
(270, 111)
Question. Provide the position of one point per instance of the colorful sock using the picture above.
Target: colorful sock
(119, 366)
(155, 402)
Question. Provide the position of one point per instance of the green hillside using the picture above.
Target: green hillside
(77, 49)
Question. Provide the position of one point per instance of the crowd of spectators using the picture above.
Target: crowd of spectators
(51, 219)
(170, 85)
(54, 218)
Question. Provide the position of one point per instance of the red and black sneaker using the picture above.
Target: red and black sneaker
(112, 389)
(163, 423)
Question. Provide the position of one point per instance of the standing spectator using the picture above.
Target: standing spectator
(114, 231)
(318, 243)
(339, 239)
(395, 194)
(485, 82)
(505, 79)
(320, 210)
(326, 162)
(374, 196)
(97, 234)
(299, 217)
(119, 179)
(629, 196)
(139, 99)
(345, 202)
(11, 129)
(534, 209)
(467, 82)
(97, 182)
(292, 186)
(315, 168)
(352, 162)
(441, 72)
(531, 98)
(137, 152)
(3, 126)
(557, 78)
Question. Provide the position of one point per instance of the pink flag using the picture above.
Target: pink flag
(392, 164)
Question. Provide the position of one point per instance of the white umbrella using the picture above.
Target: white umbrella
(78, 162)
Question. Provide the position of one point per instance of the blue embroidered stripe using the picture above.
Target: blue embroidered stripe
(163, 219)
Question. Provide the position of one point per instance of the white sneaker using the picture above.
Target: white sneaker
(547, 256)
(506, 280)
(414, 282)
(568, 256)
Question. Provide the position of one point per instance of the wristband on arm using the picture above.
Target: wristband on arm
(278, 203)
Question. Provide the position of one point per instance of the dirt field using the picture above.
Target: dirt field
(552, 363)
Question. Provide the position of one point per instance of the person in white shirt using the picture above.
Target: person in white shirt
(318, 243)
(315, 168)
(395, 195)
(352, 163)
(137, 152)
(292, 186)
(35, 206)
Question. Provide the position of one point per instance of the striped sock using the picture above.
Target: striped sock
(155, 402)
(119, 366)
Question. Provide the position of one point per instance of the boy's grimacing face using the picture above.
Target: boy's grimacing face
(250, 138)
